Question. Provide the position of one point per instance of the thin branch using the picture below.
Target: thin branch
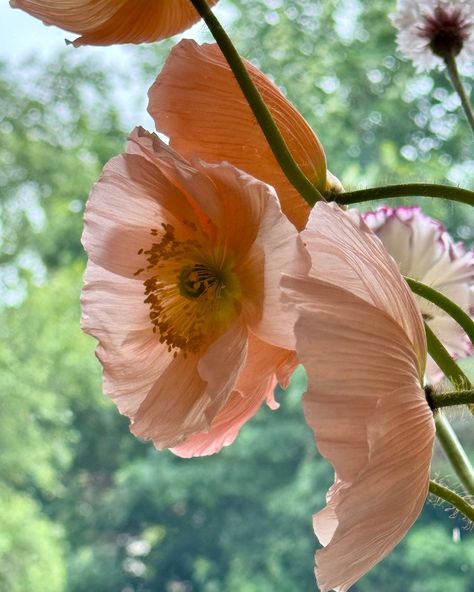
(406, 190)
(456, 81)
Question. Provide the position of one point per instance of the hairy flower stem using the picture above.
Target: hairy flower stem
(448, 366)
(446, 435)
(449, 399)
(268, 126)
(406, 190)
(455, 452)
(456, 81)
(453, 499)
(452, 309)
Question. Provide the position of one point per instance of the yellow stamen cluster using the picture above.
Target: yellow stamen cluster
(192, 290)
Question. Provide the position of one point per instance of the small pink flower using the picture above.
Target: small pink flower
(360, 337)
(429, 30)
(425, 252)
(182, 292)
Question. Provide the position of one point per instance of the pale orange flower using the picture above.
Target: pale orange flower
(105, 22)
(198, 104)
(182, 292)
(360, 337)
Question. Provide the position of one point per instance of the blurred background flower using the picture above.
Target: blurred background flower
(429, 30)
(425, 252)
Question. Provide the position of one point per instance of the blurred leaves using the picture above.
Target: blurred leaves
(83, 505)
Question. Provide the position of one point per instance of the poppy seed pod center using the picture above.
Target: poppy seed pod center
(192, 290)
(199, 280)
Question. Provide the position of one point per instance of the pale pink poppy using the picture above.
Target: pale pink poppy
(182, 292)
(360, 337)
(198, 104)
(425, 252)
(105, 22)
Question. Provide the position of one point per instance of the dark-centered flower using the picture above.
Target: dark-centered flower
(182, 293)
(430, 30)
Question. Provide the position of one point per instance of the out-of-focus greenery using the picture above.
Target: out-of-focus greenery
(84, 506)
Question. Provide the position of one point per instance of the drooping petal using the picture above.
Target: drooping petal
(197, 102)
(265, 366)
(371, 421)
(344, 250)
(105, 22)
(281, 255)
(358, 336)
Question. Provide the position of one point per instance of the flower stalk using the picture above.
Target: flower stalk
(456, 81)
(448, 366)
(407, 190)
(452, 498)
(446, 435)
(450, 398)
(264, 118)
(449, 307)
(455, 452)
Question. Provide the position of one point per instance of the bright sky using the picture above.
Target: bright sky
(22, 35)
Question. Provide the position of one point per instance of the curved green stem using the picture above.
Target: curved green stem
(456, 81)
(407, 190)
(448, 366)
(268, 126)
(446, 434)
(455, 452)
(450, 399)
(453, 499)
(452, 309)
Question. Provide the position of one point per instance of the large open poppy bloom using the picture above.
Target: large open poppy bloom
(182, 292)
(105, 22)
(198, 104)
(424, 251)
(360, 337)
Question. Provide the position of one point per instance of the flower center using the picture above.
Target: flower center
(192, 290)
(447, 29)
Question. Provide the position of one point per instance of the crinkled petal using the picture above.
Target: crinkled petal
(191, 391)
(104, 22)
(196, 101)
(114, 313)
(370, 516)
(344, 251)
(264, 366)
(186, 246)
(259, 230)
(371, 421)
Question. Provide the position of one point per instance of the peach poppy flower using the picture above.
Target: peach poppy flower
(198, 104)
(182, 293)
(360, 337)
(105, 22)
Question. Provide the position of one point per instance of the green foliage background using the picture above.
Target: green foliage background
(84, 507)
